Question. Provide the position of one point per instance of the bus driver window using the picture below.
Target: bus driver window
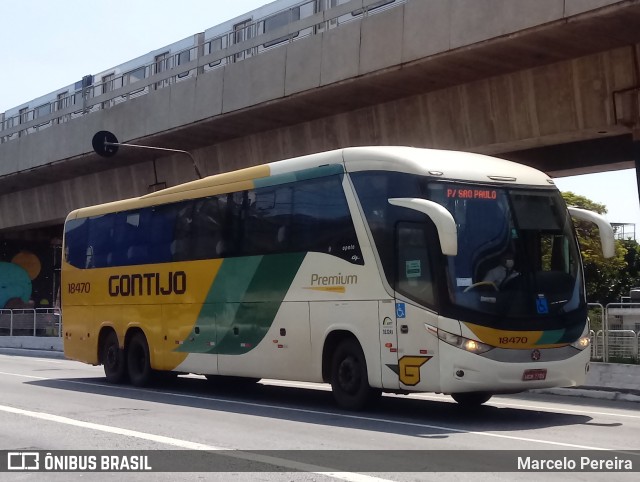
(413, 274)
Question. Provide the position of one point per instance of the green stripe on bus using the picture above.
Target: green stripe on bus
(242, 303)
(550, 337)
(222, 302)
(233, 279)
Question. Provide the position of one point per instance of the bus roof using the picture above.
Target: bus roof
(445, 164)
(440, 164)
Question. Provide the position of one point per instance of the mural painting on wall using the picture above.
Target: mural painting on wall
(26, 275)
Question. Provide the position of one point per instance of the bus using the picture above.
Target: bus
(363, 267)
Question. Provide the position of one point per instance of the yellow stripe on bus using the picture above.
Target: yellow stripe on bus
(333, 289)
(209, 186)
(224, 179)
(510, 338)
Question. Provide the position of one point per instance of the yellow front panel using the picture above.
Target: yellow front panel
(511, 339)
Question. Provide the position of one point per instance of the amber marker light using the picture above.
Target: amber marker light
(581, 343)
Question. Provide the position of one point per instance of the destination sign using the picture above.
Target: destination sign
(489, 194)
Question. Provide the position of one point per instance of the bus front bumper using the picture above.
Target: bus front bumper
(461, 371)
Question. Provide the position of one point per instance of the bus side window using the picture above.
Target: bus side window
(231, 242)
(321, 220)
(206, 229)
(89, 263)
(158, 225)
(76, 232)
(181, 245)
(266, 221)
(100, 240)
(123, 239)
(137, 252)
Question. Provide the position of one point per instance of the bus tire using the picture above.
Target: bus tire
(138, 361)
(349, 377)
(471, 399)
(113, 360)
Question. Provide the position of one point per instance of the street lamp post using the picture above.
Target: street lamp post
(106, 144)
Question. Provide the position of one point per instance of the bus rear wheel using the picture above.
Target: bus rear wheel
(349, 378)
(138, 361)
(113, 359)
(471, 399)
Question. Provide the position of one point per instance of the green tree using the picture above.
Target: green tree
(632, 258)
(606, 279)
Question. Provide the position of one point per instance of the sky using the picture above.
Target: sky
(617, 190)
(49, 44)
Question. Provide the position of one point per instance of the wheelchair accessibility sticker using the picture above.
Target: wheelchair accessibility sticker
(400, 310)
(542, 305)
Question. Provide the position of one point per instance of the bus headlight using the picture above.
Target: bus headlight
(472, 346)
(581, 343)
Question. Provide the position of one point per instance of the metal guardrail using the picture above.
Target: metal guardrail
(235, 45)
(610, 341)
(597, 318)
(620, 346)
(623, 344)
(31, 322)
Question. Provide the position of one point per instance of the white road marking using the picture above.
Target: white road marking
(20, 375)
(106, 428)
(186, 444)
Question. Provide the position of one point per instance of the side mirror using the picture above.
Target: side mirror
(445, 224)
(606, 231)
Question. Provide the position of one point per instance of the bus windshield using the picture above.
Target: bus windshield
(517, 254)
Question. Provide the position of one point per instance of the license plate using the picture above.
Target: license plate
(534, 374)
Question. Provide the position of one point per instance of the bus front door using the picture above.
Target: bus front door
(417, 360)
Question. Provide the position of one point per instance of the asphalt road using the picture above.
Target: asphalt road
(52, 404)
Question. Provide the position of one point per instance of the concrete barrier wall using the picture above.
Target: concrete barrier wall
(613, 376)
(32, 342)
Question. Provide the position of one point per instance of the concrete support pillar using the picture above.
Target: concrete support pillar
(200, 53)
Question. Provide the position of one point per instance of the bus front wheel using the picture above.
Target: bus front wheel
(113, 359)
(471, 399)
(349, 379)
(138, 361)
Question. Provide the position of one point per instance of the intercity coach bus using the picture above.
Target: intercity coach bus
(362, 267)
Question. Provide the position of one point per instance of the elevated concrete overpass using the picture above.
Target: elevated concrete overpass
(552, 83)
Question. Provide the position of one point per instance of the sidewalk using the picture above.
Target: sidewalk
(602, 393)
